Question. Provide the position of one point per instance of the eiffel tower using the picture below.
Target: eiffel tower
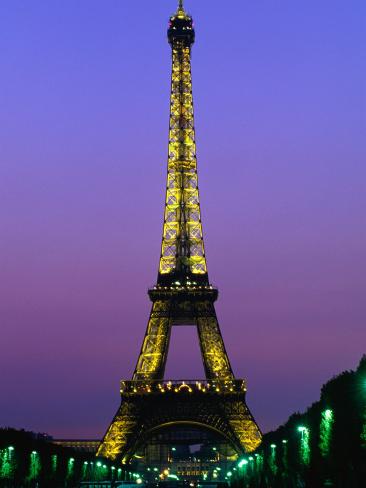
(183, 295)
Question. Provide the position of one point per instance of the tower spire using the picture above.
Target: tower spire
(180, 11)
(182, 258)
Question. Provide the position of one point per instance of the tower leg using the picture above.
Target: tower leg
(243, 425)
(213, 351)
(117, 439)
(152, 359)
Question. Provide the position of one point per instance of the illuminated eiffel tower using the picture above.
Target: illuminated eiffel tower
(182, 296)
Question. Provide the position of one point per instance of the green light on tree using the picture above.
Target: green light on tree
(242, 463)
(325, 433)
(243, 466)
(304, 445)
(258, 462)
(272, 459)
(285, 455)
(35, 466)
(70, 467)
(363, 431)
(54, 463)
(84, 470)
(6, 463)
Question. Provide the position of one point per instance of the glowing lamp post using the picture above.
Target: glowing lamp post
(302, 430)
(304, 444)
(325, 431)
(242, 463)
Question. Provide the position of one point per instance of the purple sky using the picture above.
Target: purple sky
(279, 92)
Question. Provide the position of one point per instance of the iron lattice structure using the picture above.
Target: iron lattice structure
(182, 296)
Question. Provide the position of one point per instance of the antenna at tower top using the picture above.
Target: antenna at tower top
(181, 14)
(180, 6)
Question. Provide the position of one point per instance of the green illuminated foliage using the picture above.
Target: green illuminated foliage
(259, 462)
(84, 470)
(35, 466)
(285, 455)
(304, 445)
(54, 463)
(272, 459)
(325, 432)
(70, 468)
(242, 463)
(6, 463)
(363, 432)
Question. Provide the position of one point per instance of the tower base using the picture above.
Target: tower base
(147, 407)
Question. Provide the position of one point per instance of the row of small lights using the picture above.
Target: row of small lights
(184, 28)
(244, 462)
(302, 429)
(139, 480)
(179, 286)
(177, 389)
(98, 464)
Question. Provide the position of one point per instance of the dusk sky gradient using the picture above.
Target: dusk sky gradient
(279, 92)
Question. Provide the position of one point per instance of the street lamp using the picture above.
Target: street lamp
(242, 463)
(328, 414)
(303, 431)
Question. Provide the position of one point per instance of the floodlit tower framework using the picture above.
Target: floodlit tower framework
(183, 295)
